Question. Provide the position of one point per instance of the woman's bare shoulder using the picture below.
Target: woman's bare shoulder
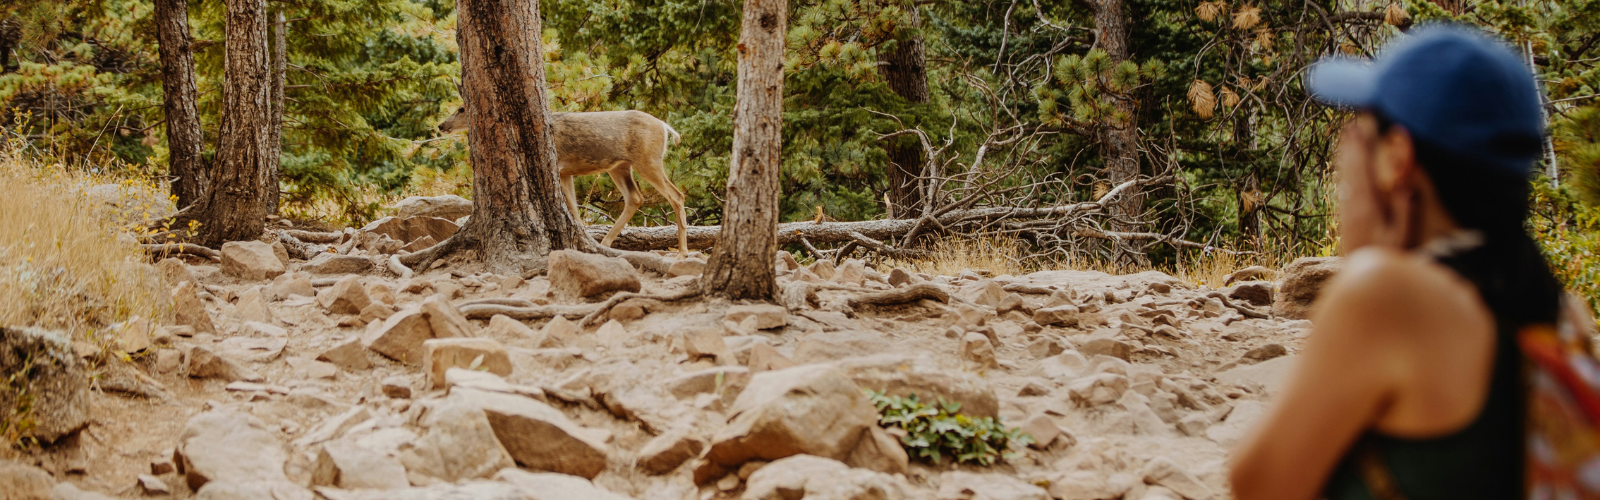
(1380, 286)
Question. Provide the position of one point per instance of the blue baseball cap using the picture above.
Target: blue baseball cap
(1450, 86)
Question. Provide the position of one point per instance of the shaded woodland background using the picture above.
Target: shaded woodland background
(1022, 103)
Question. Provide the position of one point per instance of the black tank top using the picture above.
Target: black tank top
(1484, 460)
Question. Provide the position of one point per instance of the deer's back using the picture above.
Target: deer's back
(591, 142)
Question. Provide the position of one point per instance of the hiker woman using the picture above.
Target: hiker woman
(1410, 386)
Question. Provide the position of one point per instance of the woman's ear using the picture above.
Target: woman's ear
(1396, 160)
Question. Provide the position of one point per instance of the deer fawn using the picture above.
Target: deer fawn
(617, 143)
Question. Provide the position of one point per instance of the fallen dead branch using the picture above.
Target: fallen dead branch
(296, 247)
(315, 236)
(899, 296)
(162, 250)
(524, 313)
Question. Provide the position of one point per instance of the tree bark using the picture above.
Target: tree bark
(905, 69)
(741, 266)
(233, 208)
(280, 61)
(519, 213)
(1121, 139)
(185, 145)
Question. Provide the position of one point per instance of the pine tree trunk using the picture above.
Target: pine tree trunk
(280, 61)
(519, 213)
(234, 208)
(906, 71)
(185, 145)
(741, 266)
(1121, 139)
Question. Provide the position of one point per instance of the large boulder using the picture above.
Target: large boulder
(229, 447)
(344, 463)
(536, 435)
(48, 387)
(1302, 281)
(250, 261)
(401, 337)
(445, 207)
(808, 409)
(459, 444)
(575, 276)
(439, 355)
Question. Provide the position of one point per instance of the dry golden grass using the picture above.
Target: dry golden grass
(62, 265)
(951, 256)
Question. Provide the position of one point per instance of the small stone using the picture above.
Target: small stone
(764, 358)
(666, 452)
(174, 271)
(162, 465)
(152, 485)
(686, 267)
(445, 207)
(1256, 293)
(629, 310)
(1266, 352)
(401, 336)
(559, 332)
(348, 355)
(758, 317)
(311, 369)
(419, 244)
(252, 305)
(470, 353)
(1033, 389)
(1057, 316)
(786, 260)
(823, 269)
(853, 272)
(505, 328)
(376, 312)
(975, 347)
(168, 360)
(1108, 347)
(900, 277)
(205, 364)
(187, 310)
(1246, 274)
(292, 284)
(728, 482)
(1162, 471)
(445, 319)
(332, 263)
(705, 342)
(1043, 430)
(133, 335)
(1013, 302)
(612, 335)
(1045, 347)
(250, 261)
(397, 387)
(346, 296)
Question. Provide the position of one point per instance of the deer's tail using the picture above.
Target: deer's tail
(671, 134)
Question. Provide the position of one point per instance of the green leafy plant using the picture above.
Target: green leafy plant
(933, 431)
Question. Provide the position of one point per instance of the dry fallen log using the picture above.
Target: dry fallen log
(899, 296)
(486, 311)
(297, 248)
(315, 236)
(169, 249)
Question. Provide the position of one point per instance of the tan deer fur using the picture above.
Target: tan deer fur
(617, 143)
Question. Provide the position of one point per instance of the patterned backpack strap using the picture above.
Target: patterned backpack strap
(1375, 472)
(1563, 412)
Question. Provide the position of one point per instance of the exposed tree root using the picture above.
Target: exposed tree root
(397, 268)
(160, 250)
(1030, 289)
(1238, 307)
(605, 307)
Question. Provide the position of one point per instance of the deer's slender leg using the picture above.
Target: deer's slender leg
(622, 176)
(655, 172)
(572, 197)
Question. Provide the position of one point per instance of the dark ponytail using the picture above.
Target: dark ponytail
(1508, 269)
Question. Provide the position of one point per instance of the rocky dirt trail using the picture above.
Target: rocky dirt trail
(334, 378)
